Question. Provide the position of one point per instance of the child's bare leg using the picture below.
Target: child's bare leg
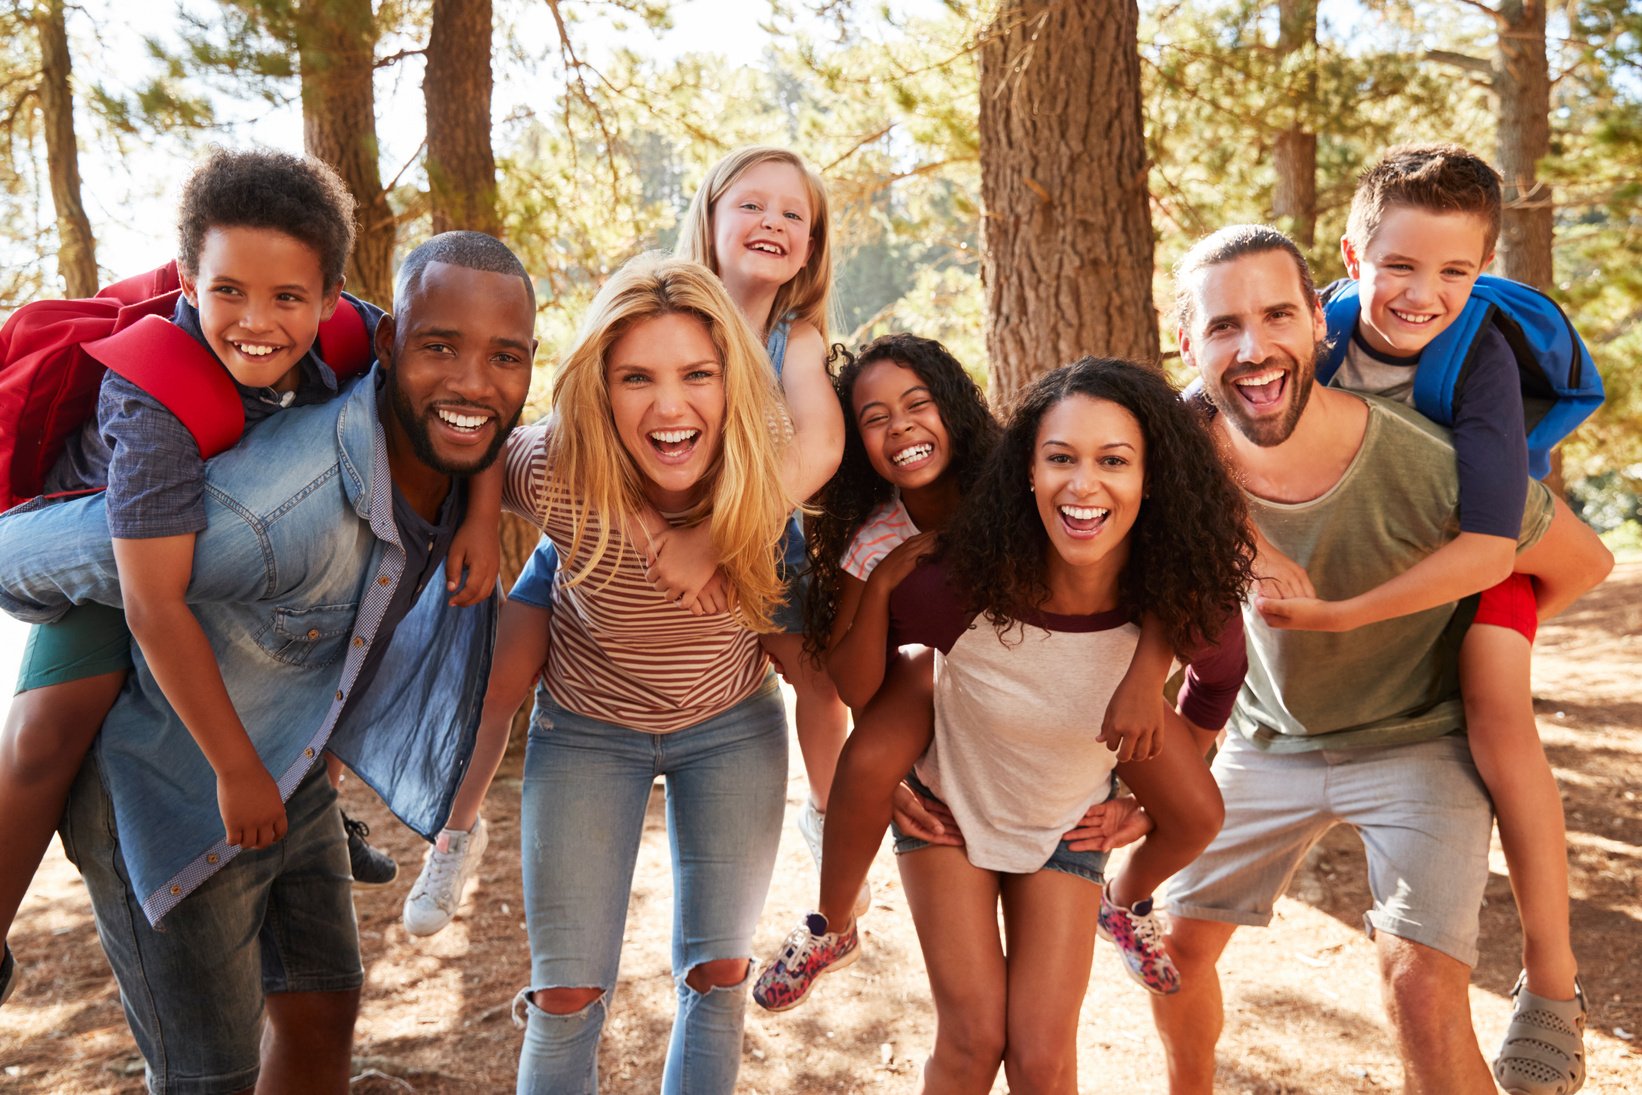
(334, 769)
(1183, 801)
(47, 734)
(821, 718)
(891, 733)
(1499, 712)
(521, 651)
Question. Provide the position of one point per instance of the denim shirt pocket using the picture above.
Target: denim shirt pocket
(311, 637)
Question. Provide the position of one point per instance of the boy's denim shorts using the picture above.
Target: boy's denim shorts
(88, 641)
(276, 920)
(1090, 866)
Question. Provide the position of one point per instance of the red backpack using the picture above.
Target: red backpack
(53, 354)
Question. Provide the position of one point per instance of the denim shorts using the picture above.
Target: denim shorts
(1086, 865)
(276, 920)
(1421, 810)
(794, 572)
(88, 641)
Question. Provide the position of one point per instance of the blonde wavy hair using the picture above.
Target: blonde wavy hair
(745, 497)
(808, 296)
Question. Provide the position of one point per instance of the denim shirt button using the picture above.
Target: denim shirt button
(359, 640)
(384, 580)
(308, 752)
(212, 858)
(339, 694)
(175, 889)
(313, 633)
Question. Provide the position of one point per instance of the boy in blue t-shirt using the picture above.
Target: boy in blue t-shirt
(1422, 227)
(263, 240)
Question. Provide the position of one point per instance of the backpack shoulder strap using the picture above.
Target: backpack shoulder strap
(344, 343)
(1341, 307)
(166, 362)
(1445, 359)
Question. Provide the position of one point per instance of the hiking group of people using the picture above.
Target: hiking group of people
(1334, 531)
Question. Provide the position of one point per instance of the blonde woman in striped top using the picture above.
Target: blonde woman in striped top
(664, 414)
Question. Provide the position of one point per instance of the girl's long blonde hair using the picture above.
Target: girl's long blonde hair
(808, 296)
(744, 496)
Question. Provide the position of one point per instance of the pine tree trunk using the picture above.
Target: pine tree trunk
(1294, 155)
(76, 247)
(1067, 260)
(336, 47)
(1523, 82)
(461, 168)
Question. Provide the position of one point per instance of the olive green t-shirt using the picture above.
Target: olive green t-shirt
(1389, 683)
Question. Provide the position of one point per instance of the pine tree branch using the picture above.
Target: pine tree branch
(395, 58)
(1462, 61)
(576, 69)
(1488, 10)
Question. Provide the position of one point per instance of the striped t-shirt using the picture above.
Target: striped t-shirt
(886, 528)
(620, 651)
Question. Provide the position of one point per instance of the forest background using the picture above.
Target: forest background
(1014, 178)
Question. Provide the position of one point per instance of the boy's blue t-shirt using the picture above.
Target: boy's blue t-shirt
(148, 459)
(1489, 433)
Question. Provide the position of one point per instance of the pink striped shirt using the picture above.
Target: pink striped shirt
(621, 652)
(885, 529)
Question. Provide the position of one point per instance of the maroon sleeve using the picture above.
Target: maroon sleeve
(925, 610)
(1213, 677)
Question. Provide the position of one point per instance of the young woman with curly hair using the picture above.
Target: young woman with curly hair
(1103, 501)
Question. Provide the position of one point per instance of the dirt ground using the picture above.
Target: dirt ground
(1302, 997)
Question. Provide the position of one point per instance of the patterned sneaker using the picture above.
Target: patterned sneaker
(371, 866)
(445, 873)
(8, 973)
(809, 951)
(1139, 938)
(811, 823)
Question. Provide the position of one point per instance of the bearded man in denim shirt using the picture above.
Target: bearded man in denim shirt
(324, 526)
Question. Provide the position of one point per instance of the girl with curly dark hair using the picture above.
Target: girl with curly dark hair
(1103, 501)
(918, 430)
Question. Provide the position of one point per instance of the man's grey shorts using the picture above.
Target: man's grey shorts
(276, 920)
(1421, 810)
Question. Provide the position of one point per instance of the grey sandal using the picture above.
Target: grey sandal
(1544, 1048)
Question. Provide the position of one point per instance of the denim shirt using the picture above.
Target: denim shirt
(291, 577)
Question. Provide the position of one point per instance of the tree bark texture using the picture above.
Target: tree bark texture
(1067, 230)
(336, 48)
(1523, 83)
(1294, 155)
(456, 90)
(76, 247)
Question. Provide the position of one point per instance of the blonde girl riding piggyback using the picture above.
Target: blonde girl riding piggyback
(760, 222)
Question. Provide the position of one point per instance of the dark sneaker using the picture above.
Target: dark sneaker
(8, 973)
(809, 951)
(1138, 935)
(371, 866)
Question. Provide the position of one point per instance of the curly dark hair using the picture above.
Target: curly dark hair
(1190, 548)
(855, 489)
(261, 188)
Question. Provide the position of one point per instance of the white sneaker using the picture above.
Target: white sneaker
(811, 822)
(450, 863)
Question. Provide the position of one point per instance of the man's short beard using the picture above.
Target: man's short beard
(416, 431)
(1267, 433)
